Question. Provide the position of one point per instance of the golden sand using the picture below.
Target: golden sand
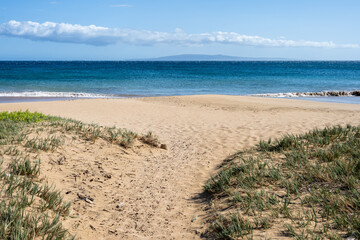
(153, 193)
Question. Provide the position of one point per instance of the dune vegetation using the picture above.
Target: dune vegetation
(30, 206)
(299, 186)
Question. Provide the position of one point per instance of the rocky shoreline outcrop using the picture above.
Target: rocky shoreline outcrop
(355, 93)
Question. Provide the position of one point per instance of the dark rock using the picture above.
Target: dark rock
(107, 175)
(356, 93)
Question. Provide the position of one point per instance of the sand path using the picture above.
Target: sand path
(200, 132)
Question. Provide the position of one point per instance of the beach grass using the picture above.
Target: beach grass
(299, 186)
(30, 207)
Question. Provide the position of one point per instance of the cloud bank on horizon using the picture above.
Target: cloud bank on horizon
(103, 36)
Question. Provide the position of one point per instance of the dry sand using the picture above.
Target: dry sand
(158, 191)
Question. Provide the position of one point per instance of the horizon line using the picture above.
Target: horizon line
(154, 60)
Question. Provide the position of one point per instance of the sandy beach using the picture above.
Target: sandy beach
(160, 192)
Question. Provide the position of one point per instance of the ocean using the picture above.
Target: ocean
(54, 80)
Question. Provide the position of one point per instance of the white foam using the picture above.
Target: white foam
(57, 95)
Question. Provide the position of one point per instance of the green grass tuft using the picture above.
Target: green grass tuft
(312, 180)
(26, 116)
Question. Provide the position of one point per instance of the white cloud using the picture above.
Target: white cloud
(101, 36)
(121, 5)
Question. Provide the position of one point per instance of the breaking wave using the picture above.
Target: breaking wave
(60, 95)
(312, 94)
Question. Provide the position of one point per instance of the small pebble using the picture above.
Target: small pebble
(120, 205)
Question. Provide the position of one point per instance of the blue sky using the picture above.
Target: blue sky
(127, 29)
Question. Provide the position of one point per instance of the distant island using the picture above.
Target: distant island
(204, 57)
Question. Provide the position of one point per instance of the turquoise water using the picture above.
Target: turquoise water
(75, 79)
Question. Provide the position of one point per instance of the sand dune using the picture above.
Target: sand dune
(160, 189)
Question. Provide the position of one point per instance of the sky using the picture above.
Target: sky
(132, 29)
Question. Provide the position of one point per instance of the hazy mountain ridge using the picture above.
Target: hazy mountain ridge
(204, 57)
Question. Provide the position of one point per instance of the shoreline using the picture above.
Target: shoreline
(31, 99)
(161, 191)
(339, 99)
(329, 99)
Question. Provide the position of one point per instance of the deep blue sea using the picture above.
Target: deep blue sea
(75, 79)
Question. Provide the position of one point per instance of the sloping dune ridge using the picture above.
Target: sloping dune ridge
(156, 193)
